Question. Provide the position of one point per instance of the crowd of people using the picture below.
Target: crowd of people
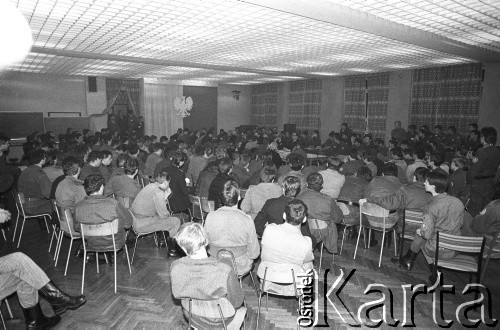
(262, 186)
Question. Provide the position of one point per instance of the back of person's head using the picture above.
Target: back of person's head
(267, 174)
(437, 159)
(390, 169)
(365, 172)
(225, 165)
(93, 183)
(162, 176)
(121, 159)
(334, 162)
(191, 237)
(230, 193)
(94, 155)
(397, 151)
(353, 153)
(158, 146)
(421, 174)
(489, 134)
(438, 179)
(133, 148)
(131, 165)
(199, 150)
(178, 158)
(459, 162)
(71, 165)
(419, 152)
(291, 186)
(295, 212)
(315, 181)
(163, 139)
(244, 158)
(296, 161)
(36, 156)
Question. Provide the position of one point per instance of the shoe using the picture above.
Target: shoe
(35, 319)
(59, 300)
(79, 252)
(90, 257)
(174, 251)
(407, 261)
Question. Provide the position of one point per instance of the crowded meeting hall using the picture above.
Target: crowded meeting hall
(166, 165)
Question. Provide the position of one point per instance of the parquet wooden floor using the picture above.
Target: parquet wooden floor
(144, 299)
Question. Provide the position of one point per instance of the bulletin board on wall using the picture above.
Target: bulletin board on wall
(21, 124)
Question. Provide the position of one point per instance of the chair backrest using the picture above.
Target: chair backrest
(492, 246)
(373, 210)
(215, 309)
(316, 224)
(278, 272)
(414, 217)
(69, 223)
(243, 193)
(197, 209)
(343, 207)
(466, 244)
(103, 229)
(227, 257)
(124, 201)
(20, 200)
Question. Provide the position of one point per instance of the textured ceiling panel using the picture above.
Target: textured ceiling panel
(168, 39)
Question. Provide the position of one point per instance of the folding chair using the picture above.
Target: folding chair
(412, 220)
(20, 201)
(105, 229)
(196, 209)
(315, 224)
(67, 229)
(462, 262)
(8, 309)
(277, 279)
(217, 309)
(492, 251)
(343, 205)
(140, 234)
(227, 257)
(379, 212)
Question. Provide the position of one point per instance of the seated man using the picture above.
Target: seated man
(96, 209)
(92, 165)
(70, 191)
(444, 213)
(205, 179)
(332, 179)
(284, 243)
(256, 196)
(232, 229)
(151, 213)
(324, 208)
(353, 190)
(241, 172)
(125, 185)
(297, 163)
(384, 185)
(199, 276)
(18, 273)
(216, 186)
(35, 185)
(272, 211)
(179, 199)
(485, 223)
(153, 159)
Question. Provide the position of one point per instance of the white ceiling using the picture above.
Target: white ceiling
(205, 42)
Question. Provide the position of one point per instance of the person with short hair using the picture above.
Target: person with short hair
(257, 195)
(70, 191)
(445, 214)
(153, 159)
(324, 208)
(97, 209)
(151, 213)
(125, 185)
(398, 133)
(332, 179)
(482, 172)
(232, 229)
(215, 190)
(92, 165)
(284, 243)
(457, 186)
(296, 165)
(202, 277)
(35, 185)
(418, 156)
(179, 199)
(197, 164)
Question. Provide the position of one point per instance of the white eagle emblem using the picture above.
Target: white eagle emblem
(183, 106)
